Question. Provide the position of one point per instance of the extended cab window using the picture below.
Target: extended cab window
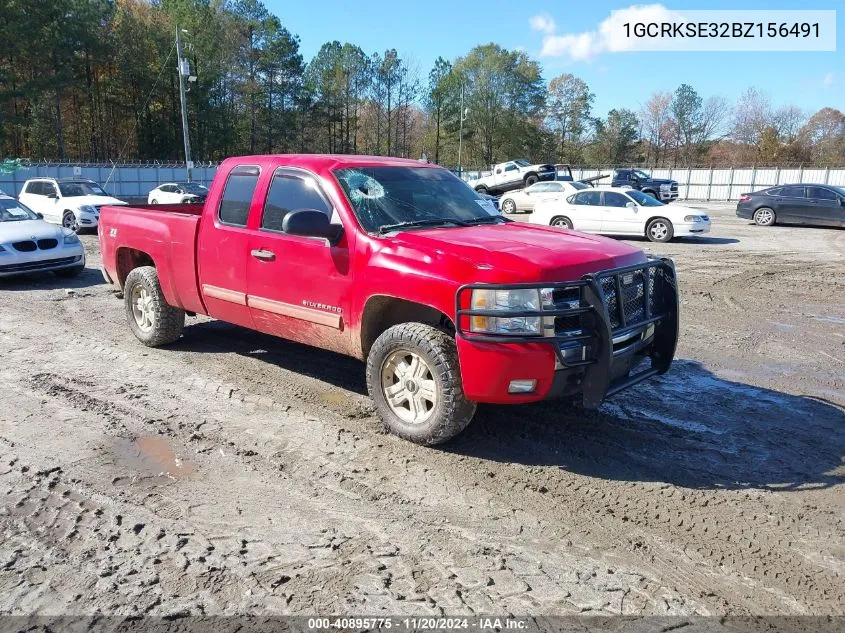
(290, 193)
(237, 196)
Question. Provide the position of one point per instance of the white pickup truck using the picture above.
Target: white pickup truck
(514, 174)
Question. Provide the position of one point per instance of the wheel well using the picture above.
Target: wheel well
(383, 312)
(560, 217)
(648, 190)
(128, 259)
(528, 175)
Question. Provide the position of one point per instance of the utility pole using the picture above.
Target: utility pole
(461, 133)
(184, 71)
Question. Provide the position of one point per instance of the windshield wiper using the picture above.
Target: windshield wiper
(484, 219)
(387, 228)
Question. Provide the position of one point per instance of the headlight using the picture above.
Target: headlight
(506, 300)
(665, 187)
(71, 238)
(693, 218)
(87, 208)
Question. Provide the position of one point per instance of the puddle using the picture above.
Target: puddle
(152, 455)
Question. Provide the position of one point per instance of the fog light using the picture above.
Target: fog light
(522, 386)
(649, 332)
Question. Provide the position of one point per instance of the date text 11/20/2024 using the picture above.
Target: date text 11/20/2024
(418, 624)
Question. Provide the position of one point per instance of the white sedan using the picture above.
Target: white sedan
(617, 211)
(177, 193)
(28, 243)
(524, 200)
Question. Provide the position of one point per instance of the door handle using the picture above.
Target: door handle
(263, 255)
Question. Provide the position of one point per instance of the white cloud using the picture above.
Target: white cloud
(543, 23)
(828, 80)
(608, 37)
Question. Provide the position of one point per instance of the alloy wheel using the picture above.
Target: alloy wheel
(409, 387)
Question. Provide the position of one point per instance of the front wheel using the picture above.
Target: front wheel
(561, 222)
(481, 189)
(764, 216)
(69, 221)
(152, 320)
(509, 206)
(660, 230)
(531, 180)
(414, 379)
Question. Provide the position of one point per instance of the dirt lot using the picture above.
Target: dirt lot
(240, 473)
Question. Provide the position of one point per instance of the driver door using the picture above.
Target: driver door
(297, 287)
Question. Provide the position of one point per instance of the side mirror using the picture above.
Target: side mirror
(842, 202)
(53, 195)
(631, 205)
(311, 223)
(40, 216)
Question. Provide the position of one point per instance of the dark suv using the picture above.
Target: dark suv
(659, 188)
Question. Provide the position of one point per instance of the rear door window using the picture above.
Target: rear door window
(792, 192)
(237, 195)
(588, 198)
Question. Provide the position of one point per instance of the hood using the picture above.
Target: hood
(97, 201)
(29, 230)
(513, 252)
(661, 181)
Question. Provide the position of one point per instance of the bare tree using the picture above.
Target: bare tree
(654, 117)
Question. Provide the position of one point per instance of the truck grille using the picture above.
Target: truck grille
(631, 299)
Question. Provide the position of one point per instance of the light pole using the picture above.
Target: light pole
(461, 132)
(184, 70)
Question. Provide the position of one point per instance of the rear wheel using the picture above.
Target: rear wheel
(414, 379)
(660, 230)
(508, 206)
(764, 216)
(153, 201)
(69, 221)
(561, 222)
(152, 320)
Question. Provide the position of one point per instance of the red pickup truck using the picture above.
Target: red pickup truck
(401, 264)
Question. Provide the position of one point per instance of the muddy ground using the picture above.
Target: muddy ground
(235, 472)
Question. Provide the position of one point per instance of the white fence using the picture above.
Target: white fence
(723, 183)
(693, 184)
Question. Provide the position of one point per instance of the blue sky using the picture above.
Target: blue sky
(422, 30)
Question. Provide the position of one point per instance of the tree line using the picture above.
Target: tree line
(96, 80)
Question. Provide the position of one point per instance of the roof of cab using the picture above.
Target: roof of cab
(329, 161)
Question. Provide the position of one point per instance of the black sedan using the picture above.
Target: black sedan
(817, 205)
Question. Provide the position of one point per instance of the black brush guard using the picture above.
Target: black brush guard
(601, 317)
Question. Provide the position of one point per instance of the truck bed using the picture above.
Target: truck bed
(167, 233)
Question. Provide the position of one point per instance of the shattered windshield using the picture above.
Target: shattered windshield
(388, 196)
